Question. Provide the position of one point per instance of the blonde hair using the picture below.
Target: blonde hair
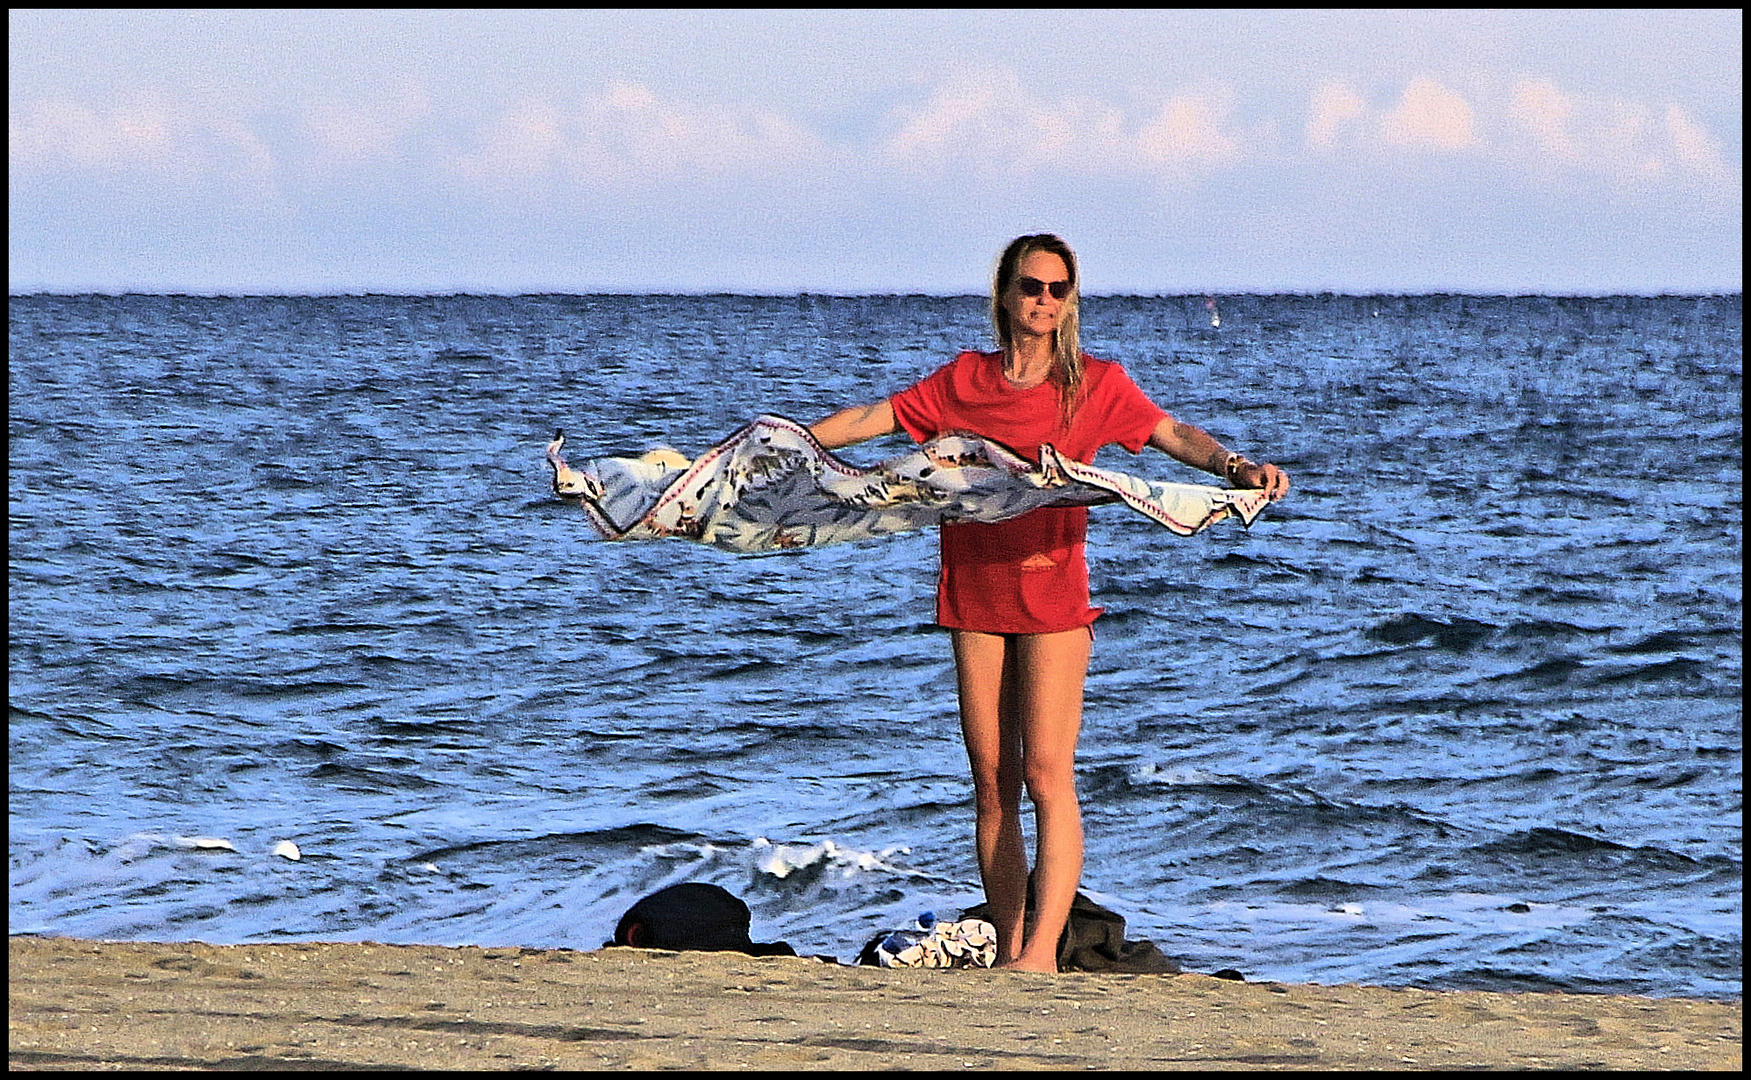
(1067, 366)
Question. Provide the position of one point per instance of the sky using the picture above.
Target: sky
(848, 152)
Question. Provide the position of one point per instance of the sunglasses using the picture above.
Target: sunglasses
(1031, 286)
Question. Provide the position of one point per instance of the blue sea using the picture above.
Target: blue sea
(1464, 711)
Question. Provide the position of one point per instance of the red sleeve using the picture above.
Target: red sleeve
(921, 407)
(1119, 411)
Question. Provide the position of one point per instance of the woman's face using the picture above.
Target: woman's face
(1039, 315)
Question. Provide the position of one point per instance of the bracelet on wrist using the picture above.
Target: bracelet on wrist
(1231, 467)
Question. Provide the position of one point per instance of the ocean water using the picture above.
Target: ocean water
(1463, 712)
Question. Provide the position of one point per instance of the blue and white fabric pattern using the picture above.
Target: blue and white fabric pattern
(772, 487)
(933, 944)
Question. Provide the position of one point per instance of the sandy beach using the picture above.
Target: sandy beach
(104, 1005)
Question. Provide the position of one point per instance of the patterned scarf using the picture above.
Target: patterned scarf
(772, 487)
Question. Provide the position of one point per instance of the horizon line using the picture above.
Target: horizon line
(802, 293)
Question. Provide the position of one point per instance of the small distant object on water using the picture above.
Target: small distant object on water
(1215, 316)
(285, 849)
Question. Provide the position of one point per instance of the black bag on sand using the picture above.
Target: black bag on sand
(694, 915)
(1094, 940)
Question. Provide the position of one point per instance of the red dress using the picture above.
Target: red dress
(1028, 575)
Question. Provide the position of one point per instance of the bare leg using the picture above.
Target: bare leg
(1051, 669)
(1021, 712)
(985, 672)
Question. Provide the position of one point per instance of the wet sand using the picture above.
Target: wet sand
(104, 1005)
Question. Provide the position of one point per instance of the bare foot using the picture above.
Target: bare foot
(1022, 963)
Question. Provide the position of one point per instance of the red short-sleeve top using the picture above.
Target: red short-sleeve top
(1028, 575)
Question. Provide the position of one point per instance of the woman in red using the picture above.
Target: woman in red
(1014, 595)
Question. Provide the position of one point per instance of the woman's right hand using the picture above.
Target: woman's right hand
(1273, 480)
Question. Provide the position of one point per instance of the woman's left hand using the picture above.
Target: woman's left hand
(1273, 480)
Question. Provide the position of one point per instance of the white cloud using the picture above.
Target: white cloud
(522, 142)
(54, 134)
(1696, 148)
(145, 139)
(1430, 116)
(624, 134)
(990, 122)
(627, 134)
(343, 134)
(1547, 113)
(1188, 133)
(962, 116)
(1629, 142)
(1532, 127)
(1334, 104)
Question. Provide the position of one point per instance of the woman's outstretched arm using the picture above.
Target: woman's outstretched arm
(855, 424)
(1196, 447)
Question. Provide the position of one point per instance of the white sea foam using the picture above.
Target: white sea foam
(141, 843)
(205, 843)
(1474, 912)
(1152, 773)
(782, 860)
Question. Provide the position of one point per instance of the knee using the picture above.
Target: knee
(1051, 781)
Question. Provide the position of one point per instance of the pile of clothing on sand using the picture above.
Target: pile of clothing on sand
(701, 916)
